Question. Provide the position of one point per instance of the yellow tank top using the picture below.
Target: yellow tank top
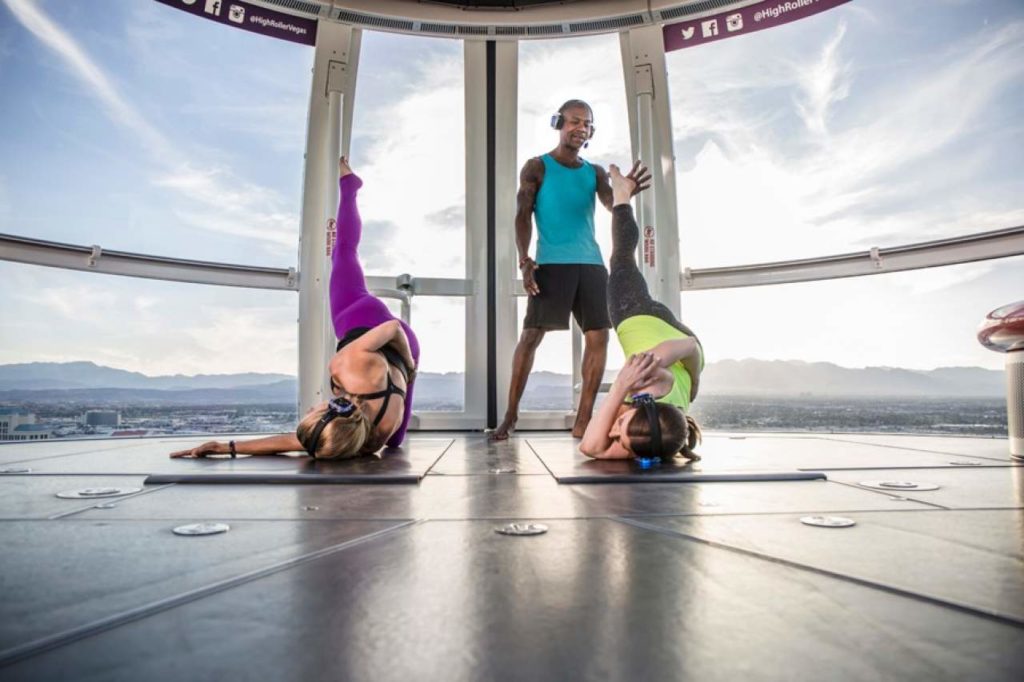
(641, 333)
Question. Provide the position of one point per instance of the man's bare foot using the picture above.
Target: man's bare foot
(505, 429)
(580, 427)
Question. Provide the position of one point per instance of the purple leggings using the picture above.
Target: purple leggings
(351, 304)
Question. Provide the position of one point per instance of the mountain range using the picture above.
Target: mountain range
(47, 382)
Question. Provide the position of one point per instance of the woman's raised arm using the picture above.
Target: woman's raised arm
(637, 373)
(388, 333)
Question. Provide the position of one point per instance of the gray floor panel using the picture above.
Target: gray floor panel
(754, 453)
(971, 558)
(961, 488)
(414, 458)
(589, 600)
(30, 454)
(820, 454)
(35, 497)
(992, 448)
(479, 455)
(736, 498)
(499, 496)
(902, 595)
(63, 575)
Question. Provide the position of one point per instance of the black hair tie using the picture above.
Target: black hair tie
(338, 407)
(645, 401)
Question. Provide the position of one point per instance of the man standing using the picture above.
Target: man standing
(568, 274)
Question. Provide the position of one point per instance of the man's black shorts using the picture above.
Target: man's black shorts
(573, 287)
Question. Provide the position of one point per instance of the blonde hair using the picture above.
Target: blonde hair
(344, 436)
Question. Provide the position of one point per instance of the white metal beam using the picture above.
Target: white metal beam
(980, 246)
(506, 182)
(475, 101)
(99, 260)
(875, 261)
(102, 261)
(650, 126)
(327, 136)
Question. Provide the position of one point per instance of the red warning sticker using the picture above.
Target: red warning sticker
(332, 235)
(649, 246)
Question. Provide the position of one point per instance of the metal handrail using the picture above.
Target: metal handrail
(969, 248)
(97, 259)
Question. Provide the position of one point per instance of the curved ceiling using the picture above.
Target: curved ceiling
(503, 19)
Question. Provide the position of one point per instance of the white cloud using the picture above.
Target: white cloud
(823, 83)
(413, 166)
(145, 326)
(888, 171)
(87, 303)
(83, 67)
(221, 200)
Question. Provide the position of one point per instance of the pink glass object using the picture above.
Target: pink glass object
(1003, 329)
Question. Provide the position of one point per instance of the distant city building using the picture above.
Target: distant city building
(31, 432)
(110, 418)
(11, 418)
(129, 433)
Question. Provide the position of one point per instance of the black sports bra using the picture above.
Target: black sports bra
(393, 358)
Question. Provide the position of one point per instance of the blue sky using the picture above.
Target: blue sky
(134, 126)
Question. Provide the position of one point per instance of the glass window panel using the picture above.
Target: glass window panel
(142, 128)
(551, 72)
(872, 124)
(143, 335)
(440, 326)
(856, 354)
(408, 144)
(554, 71)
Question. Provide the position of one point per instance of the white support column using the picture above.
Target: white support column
(505, 89)
(650, 127)
(327, 137)
(475, 68)
(506, 179)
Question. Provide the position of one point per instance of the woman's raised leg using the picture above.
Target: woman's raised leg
(352, 305)
(627, 290)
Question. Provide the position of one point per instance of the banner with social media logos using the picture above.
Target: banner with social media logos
(748, 19)
(251, 18)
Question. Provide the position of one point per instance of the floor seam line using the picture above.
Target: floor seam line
(863, 582)
(51, 642)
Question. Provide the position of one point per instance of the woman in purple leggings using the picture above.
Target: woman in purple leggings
(372, 372)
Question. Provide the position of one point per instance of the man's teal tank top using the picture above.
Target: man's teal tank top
(564, 208)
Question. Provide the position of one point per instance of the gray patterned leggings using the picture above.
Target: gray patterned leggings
(627, 290)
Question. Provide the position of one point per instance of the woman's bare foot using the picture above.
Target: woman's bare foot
(350, 186)
(343, 167)
(625, 186)
(622, 187)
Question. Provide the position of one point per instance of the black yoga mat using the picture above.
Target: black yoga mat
(281, 478)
